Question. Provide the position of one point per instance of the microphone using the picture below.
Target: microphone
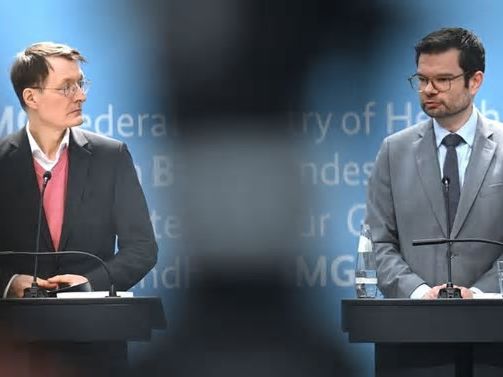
(111, 291)
(46, 177)
(439, 241)
(449, 291)
(448, 241)
(35, 290)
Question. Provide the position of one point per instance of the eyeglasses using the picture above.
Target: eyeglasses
(441, 84)
(70, 89)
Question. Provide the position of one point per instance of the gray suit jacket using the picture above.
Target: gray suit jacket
(405, 202)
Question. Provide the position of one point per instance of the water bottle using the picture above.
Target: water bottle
(365, 270)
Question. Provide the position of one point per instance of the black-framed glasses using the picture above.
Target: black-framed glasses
(441, 84)
(70, 89)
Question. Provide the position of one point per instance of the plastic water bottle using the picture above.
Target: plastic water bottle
(365, 270)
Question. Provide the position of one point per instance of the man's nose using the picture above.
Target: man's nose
(80, 95)
(430, 88)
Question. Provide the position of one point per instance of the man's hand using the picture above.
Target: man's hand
(21, 282)
(465, 292)
(433, 292)
(67, 279)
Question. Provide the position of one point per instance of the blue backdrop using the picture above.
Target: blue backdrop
(351, 101)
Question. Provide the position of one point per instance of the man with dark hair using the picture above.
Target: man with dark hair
(93, 199)
(406, 197)
(471, 51)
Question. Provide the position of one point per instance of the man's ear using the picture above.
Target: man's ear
(476, 82)
(30, 98)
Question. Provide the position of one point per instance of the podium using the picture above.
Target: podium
(413, 338)
(84, 335)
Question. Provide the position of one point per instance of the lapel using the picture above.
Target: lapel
(429, 172)
(26, 189)
(480, 159)
(79, 154)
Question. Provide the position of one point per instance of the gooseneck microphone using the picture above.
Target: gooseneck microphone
(111, 292)
(35, 291)
(439, 241)
(448, 241)
(449, 291)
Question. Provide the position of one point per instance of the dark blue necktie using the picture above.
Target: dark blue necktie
(451, 171)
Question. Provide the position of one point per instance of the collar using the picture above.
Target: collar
(37, 152)
(467, 131)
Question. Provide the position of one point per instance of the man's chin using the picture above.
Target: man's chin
(434, 113)
(76, 122)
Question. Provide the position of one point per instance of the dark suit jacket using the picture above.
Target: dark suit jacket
(104, 203)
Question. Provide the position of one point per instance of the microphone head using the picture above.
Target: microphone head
(47, 175)
(445, 180)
